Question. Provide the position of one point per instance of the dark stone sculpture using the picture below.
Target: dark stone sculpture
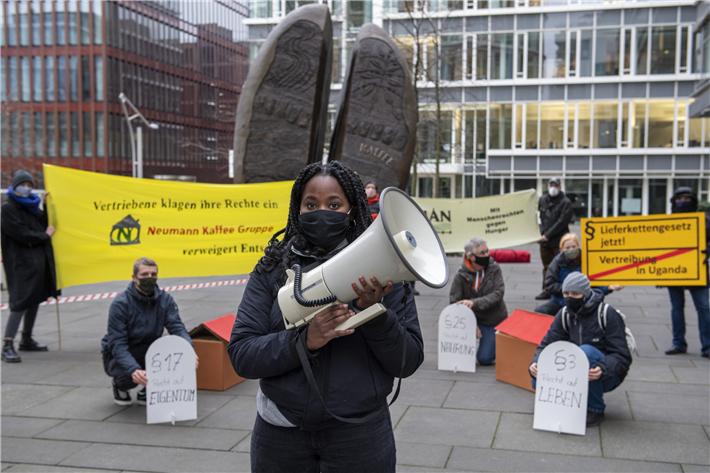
(375, 130)
(282, 111)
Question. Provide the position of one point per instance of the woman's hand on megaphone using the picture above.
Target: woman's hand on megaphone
(321, 329)
(370, 295)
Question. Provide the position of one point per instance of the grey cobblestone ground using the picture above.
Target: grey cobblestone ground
(58, 415)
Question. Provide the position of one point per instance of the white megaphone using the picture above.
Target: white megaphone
(400, 245)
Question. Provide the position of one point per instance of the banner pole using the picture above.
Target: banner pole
(59, 329)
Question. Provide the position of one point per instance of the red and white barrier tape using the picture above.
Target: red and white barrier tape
(111, 295)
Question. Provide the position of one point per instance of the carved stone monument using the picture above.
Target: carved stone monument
(282, 111)
(375, 130)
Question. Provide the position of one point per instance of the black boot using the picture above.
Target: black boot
(28, 344)
(9, 355)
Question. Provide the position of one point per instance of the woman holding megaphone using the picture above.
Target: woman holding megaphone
(326, 411)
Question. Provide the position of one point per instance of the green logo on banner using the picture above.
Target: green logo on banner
(126, 232)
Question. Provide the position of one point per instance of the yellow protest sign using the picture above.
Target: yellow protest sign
(503, 220)
(104, 223)
(661, 250)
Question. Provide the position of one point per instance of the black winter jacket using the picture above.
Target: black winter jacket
(28, 257)
(555, 215)
(135, 321)
(584, 329)
(488, 303)
(354, 373)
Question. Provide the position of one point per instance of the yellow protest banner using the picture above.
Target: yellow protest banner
(503, 220)
(653, 250)
(104, 223)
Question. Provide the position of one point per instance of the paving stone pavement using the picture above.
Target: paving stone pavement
(58, 415)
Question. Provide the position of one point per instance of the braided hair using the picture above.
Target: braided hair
(278, 253)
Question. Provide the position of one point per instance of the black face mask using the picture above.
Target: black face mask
(324, 228)
(483, 260)
(573, 304)
(147, 285)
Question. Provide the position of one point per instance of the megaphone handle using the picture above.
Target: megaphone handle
(362, 317)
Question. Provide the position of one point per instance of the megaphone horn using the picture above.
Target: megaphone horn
(400, 245)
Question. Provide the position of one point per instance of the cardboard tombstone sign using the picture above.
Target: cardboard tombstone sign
(457, 339)
(171, 394)
(561, 389)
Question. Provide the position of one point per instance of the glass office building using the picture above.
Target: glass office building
(64, 63)
(594, 92)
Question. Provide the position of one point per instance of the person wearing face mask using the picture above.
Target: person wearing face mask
(606, 348)
(568, 261)
(373, 198)
(555, 215)
(28, 259)
(684, 200)
(136, 319)
(344, 425)
(479, 286)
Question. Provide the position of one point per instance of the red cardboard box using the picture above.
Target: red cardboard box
(517, 339)
(210, 339)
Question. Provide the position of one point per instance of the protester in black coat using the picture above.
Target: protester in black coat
(28, 259)
(685, 200)
(606, 348)
(136, 319)
(555, 215)
(303, 429)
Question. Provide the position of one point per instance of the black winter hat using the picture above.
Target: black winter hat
(22, 176)
(684, 192)
(370, 182)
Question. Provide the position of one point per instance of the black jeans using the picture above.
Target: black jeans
(344, 448)
(123, 381)
(13, 322)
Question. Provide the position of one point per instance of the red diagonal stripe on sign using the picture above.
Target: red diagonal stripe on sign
(633, 265)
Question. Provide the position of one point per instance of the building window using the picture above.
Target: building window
(11, 24)
(13, 79)
(74, 78)
(585, 54)
(606, 123)
(37, 78)
(358, 13)
(607, 55)
(502, 56)
(426, 187)
(75, 146)
(25, 68)
(663, 45)
(38, 129)
(637, 123)
(554, 52)
(61, 16)
(533, 55)
(51, 143)
(584, 124)
(660, 123)
(26, 135)
(24, 26)
(500, 126)
(2, 26)
(642, 50)
(695, 132)
(62, 129)
(62, 79)
(14, 134)
(99, 117)
(3, 91)
(72, 22)
(85, 31)
(86, 124)
(36, 26)
(49, 77)
(630, 196)
(48, 37)
(98, 33)
(451, 57)
(552, 125)
(99, 78)
(86, 78)
(531, 120)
